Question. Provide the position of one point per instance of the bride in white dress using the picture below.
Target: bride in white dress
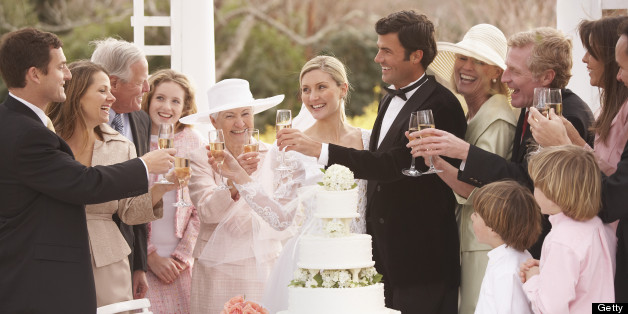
(324, 88)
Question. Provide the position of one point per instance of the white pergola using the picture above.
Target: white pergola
(191, 49)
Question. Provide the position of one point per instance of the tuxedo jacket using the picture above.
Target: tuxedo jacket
(137, 235)
(45, 263)
(411, 219)
(483, 167)
(614, 200)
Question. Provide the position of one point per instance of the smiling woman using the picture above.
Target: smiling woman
(81, 120)
(172, 238)
(475, 66)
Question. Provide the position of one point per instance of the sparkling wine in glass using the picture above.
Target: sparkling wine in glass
(181, 171)
(217, 149)
(413, 126)
(165, 139)
(251, 143)
(554, 100)
(426, 121)
(284, 121)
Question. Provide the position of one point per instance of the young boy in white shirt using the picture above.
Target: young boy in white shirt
(507, 218)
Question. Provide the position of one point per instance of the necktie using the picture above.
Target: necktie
(49, 125)
(525, 125)
(401, 93)
(117, 123)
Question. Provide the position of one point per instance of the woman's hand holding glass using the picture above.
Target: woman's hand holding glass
(293, 139)
(249, 159)
(231, 168)
(550, 131)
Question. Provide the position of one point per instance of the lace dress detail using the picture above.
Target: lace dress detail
(277, 217)
(358, 224)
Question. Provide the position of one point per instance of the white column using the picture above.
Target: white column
(192, 40)
(569, 13)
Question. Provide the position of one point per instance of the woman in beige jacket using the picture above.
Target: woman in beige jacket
(81, 121)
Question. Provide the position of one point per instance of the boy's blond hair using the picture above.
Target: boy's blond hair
(570, 177)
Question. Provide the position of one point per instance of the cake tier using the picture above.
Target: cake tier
(361, 300)
(352, 251)
(337, 204)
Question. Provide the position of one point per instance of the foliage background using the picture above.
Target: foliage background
(267, 41)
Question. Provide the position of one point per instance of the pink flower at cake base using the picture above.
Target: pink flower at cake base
(237, 305)
(253, 308)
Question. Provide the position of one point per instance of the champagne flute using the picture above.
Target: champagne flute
(217, 148)
(426, 121)
(538, 102)
(181, 171)
(251, 143)
(284, 121)
(165, 140)
(554, 100)
(413, 126)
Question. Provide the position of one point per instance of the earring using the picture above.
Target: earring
(494, 81)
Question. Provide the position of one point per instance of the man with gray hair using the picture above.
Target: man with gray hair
(128, 73)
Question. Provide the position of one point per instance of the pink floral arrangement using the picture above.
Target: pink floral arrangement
(237, 305)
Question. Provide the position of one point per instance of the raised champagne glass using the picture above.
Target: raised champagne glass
(251, 143)
(426, 121)
(284, 121)
(554, 100)
(165, 139)
(181, 171)
(217, 149)
(413, 126)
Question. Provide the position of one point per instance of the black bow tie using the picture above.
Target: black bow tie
(401, 93)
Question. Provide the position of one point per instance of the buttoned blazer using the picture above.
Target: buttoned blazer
(415, 238)
(45, 264)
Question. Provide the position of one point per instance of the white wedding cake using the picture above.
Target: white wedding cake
(336, 273)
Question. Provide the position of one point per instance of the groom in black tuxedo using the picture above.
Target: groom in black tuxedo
(411, 219)
(45, 263)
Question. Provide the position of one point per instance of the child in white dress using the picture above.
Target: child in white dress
(507, 218)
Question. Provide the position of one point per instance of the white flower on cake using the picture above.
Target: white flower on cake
(337, 178)
(335, 228)
(334, 278)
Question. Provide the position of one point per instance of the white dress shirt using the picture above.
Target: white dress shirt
(40, 113)
(395, 106)
(502, 290)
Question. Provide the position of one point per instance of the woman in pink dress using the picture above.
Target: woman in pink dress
(238, 243)
(172, 238)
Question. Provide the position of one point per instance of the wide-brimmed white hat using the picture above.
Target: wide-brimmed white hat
(483, 42)
(230, 94)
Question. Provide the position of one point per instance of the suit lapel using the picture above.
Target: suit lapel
(377, 126)
(17, 106)
(415, 103)
(517, 143)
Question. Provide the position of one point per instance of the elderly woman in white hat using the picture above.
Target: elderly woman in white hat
(475, 66)
(238, 243)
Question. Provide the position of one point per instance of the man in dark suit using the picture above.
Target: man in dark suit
(537, 58)
(411, 219)
(128, 72)
(45, 263)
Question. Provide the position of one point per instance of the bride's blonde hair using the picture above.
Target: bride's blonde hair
(333, 67)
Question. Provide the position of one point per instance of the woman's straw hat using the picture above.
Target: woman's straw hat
(483, 42)
(231, 94)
